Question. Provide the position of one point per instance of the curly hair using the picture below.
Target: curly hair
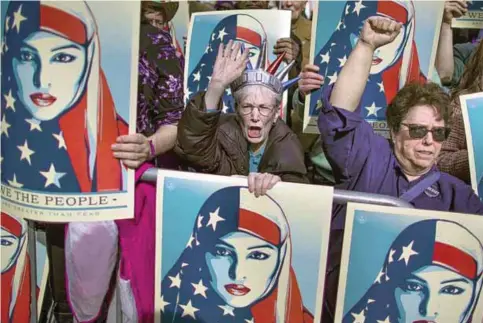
(472, 75)
(415, 94)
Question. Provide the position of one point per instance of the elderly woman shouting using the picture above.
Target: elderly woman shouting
(253, 141)
(404, 165)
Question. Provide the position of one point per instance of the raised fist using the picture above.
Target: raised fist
(379, 31)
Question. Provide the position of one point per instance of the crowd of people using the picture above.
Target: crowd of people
(424, 161)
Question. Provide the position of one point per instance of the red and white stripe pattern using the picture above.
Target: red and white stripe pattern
(453, 249)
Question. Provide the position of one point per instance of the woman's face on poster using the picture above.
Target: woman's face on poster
(434, 294)
(10, 244)
(385, 56)
(254, 51)
(48, 70)
(241, 268)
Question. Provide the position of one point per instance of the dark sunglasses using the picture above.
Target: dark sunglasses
(440, 134)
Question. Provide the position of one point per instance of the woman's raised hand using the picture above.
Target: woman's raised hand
(229, 64)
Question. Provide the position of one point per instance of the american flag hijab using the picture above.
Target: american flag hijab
(239, 28)
(15, 297)
(188, 292)
(69, 151)
(444, 244)
(393, 65)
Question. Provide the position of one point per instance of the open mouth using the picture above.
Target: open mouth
(254, 132)
(376, 60)
(424, 153)
(42, 100)
(237, 290)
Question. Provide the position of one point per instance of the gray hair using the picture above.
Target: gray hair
(246, 91)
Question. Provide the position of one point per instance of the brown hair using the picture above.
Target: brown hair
(414, 94)
(472, 75)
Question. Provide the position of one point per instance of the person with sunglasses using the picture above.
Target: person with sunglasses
(252, 142)
(403, 166)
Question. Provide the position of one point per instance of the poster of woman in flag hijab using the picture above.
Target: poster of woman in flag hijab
(472, 109)
(409, 58)
(15, 279)
(228, 256)
(68, 92)
(407, 265)
(257, 30)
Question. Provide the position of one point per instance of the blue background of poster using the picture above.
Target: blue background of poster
(475, 115)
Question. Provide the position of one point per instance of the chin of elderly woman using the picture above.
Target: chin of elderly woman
(403, 166)
(252, 142)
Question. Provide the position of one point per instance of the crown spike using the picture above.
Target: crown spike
(289, 83)
(284, 71)
(262, 59)
(275, 64)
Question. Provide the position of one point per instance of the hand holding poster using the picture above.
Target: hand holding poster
(409, 58)
(473, 19)
(472, 109)
(407, 265)
(68, 92)
(224, 255)
(257, 30)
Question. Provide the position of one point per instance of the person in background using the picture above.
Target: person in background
(253, 141)
(224, 5)
(248, 5)
(301, 39)
(297, 47)
(160, 105)
(451, 59)
(160, 91)
(454, 152)
(419, 119)
(197, 6)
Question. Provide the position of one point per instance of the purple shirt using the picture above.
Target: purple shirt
(364, 161)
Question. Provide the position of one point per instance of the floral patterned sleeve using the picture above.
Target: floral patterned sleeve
(160, 87)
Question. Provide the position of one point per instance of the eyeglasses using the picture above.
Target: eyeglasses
(264, 111)
(440, 134)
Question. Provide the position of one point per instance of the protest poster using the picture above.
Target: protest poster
(409, 265)
(257, 30)
(472, 110)
(69, 84)
(15, 279)
(409, 58)
(224, 255)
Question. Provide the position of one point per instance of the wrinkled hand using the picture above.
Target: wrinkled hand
(454, 9)
(229, 64)
(259, 183)
(379, 31)
(287, 46)
(310, 79)
(132, 150)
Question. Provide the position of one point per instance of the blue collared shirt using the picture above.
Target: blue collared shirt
(364, 161)
(255, 158)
